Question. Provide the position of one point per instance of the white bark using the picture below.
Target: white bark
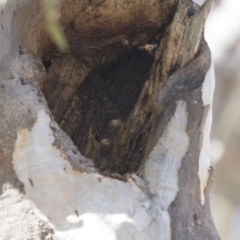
(51, 191)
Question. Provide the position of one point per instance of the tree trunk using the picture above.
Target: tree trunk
(110, 139)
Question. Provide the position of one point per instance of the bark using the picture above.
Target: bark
(109, 140)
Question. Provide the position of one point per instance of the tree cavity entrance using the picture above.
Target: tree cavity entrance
(94, 107)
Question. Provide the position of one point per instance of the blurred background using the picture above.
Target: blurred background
(223, 35)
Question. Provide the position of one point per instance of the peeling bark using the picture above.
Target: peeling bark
(111, 138)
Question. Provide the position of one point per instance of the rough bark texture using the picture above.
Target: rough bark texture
(131, 95)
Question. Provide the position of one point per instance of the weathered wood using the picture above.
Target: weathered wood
(110, 93)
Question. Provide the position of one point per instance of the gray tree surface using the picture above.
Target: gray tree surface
(107, 138)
